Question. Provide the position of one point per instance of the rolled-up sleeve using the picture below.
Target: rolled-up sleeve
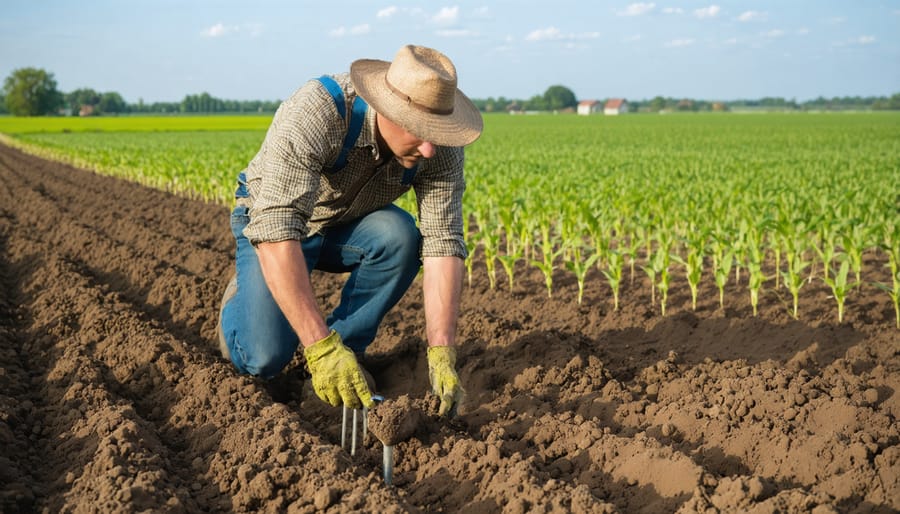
(439, 190)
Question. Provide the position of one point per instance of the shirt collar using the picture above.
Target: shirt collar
(367, 137)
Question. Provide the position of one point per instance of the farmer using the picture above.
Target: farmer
(318, 195)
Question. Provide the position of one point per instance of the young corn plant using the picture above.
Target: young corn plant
(754, 270)
(597, 230)
(892, 246)
(663, 286)
(693, 269)
(613, 274)
(693, 264)
(650, 271)
(840, 287)
(508, 220)
(580, 266)
(549, 254)
(508, 261)
(721, 269)
(660, 264)
(826, 249)
(742, 248)
(471, 247)
(854, 240)
(754, 284)
(526, 230)
(793, 277)
(894, 293)
(629, 251)
(490, 244)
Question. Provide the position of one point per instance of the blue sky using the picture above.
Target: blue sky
(161, 50)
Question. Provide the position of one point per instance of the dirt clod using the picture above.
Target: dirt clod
(394, 421)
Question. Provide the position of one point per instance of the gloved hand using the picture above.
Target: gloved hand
(336, 376)
(443, 377)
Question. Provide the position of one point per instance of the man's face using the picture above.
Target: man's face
(407, 148)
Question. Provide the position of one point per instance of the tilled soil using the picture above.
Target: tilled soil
(114, 399)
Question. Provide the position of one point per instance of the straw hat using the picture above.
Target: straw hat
(418, 92)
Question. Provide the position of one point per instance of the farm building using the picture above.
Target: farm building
(615, 106)
(586, 107)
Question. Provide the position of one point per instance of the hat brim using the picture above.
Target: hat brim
(459, 128)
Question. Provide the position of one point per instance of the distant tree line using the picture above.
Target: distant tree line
(33, 92)
(662, 104)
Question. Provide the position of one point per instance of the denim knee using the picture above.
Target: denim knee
(267, 361)
(399, 237)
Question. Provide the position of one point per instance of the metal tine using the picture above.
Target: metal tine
(365, 424)
(388, 461)
(344, 429)
(355, 424)
(353, 437)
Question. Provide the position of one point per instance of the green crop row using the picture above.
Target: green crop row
(766, 201)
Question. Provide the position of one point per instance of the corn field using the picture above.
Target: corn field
(764, 201)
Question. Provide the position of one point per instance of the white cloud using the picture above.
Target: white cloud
(632, 39)
(359, 30)
(554, 34)
(446, 16)
(731, 41)
(356, 30)
(637, 9)
(546, 34)
(222, 30)
(753, 16)
(678, 43)
(673, 10)
(707, 12)
(387, 12)
(857, 41)
(218, 30)
(802, 31)
(482, 12)
(391, 12)
(774, 33)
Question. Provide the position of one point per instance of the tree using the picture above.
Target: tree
(559, 97)
(536, 103)
(111, 103)
(80, 97)
(31, 92)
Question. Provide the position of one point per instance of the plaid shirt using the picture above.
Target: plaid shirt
(292, 197)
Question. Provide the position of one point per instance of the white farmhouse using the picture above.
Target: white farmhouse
(586, 107)
(615, 106)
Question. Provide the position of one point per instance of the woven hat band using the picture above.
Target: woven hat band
(412, 103)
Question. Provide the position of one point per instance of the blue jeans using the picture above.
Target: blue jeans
(379, 250)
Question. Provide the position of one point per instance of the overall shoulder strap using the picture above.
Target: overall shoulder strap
(357, 118)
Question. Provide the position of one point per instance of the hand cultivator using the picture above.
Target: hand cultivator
(388, 459)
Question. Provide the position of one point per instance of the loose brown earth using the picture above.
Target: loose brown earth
(115, 400)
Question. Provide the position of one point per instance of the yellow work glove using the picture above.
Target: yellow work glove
(443, 377)
(336, 376)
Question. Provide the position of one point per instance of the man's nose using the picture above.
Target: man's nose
(426, 149)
